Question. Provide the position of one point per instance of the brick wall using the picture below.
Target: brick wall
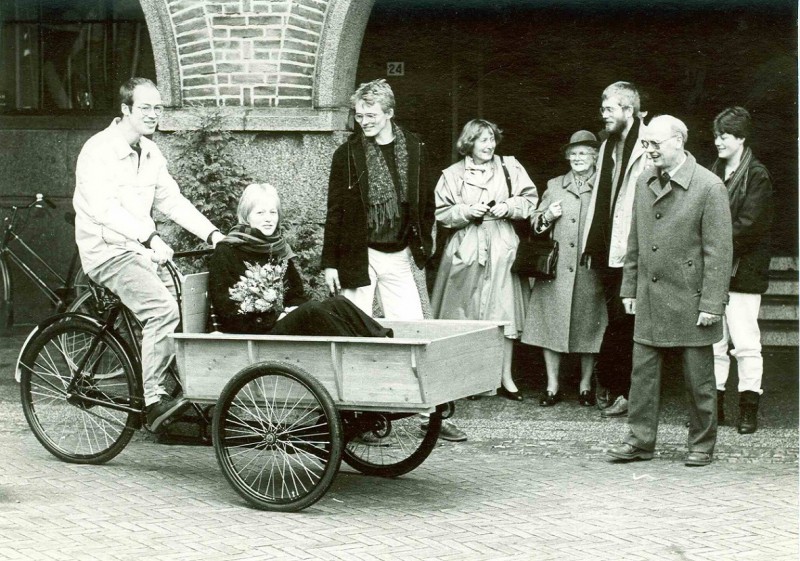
(247, 53)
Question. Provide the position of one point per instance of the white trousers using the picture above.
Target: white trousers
(391, 276)
(740, 327)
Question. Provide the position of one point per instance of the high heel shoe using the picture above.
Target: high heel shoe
(586, 398)
(513, 396)
(549, 399)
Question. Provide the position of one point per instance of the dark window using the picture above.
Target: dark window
(65, 56)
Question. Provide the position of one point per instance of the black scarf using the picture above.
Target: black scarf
(599, 238)
(253, 240)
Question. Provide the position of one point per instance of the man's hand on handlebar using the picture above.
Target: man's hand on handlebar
(161, 251)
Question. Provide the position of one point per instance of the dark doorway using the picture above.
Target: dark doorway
(538, 69)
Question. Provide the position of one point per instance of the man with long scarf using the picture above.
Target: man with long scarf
(750, 192)
(380, 218)
(605, 237)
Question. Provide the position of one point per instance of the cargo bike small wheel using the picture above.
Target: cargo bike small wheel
(277, 436)
(79, 390)
(393, 444)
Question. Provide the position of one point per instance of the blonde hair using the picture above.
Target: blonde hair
(254, 193)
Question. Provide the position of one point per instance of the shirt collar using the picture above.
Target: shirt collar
(121, 147)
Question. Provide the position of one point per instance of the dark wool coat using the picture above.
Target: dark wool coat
(752, 221)
(225, 267)
(679, 257)
(346, 229)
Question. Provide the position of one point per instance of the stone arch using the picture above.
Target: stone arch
(339, 48)
(165, 50)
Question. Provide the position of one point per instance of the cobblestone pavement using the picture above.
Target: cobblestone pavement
(530, 483)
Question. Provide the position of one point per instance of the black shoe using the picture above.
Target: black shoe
(549, 399)
(513, 396)
(475, 397)
(627, 453)
(586, 398)
(162, 411)
(748, 412)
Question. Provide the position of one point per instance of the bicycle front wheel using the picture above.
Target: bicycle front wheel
(277, 436)
(87, 425)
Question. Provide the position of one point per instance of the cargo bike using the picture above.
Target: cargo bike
(283, 411)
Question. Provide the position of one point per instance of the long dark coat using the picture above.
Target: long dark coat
(567, 314)
(679, 256)
(346, 230)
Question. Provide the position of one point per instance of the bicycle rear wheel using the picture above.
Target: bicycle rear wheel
(71, 427)
(394, 445)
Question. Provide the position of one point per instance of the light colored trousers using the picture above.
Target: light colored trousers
(392, 276)
(144, 289)
(740, 327)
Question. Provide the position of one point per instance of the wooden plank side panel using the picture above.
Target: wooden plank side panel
(369, 373)
(461, 366)
(194, 305)
(433, 329)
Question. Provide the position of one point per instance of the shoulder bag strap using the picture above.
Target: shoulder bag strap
(508, 177)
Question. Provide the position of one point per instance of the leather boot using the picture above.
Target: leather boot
(720, 407)
(748, 412)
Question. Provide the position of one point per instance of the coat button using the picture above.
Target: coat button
(573, 221)
(572, 244)
(658, 215)
(689, 262)
(655, 247)
(655, 278)
(571, 270)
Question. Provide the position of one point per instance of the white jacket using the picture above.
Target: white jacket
(623, 212)
(115, 193)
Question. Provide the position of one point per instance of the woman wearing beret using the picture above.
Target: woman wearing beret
(568, 314)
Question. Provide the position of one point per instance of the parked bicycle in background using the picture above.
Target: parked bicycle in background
(60, 290)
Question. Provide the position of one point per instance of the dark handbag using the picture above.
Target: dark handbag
(537, 258)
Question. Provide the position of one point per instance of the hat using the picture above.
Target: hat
(581, 137)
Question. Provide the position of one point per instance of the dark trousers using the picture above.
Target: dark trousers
(615, 361)
(645, 396)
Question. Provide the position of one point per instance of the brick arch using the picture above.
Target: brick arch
(271, 65)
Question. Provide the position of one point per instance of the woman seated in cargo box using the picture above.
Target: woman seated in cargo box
(255, 285)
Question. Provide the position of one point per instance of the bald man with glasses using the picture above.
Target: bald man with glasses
(675, 285)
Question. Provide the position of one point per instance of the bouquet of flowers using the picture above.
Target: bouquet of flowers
(260, 289)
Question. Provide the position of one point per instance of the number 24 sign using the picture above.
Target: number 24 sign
(395, 68)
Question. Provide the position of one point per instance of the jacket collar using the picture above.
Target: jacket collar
(121, 147)
(682, 178)
(568, 182)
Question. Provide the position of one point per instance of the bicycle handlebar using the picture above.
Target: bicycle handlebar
(38, 201)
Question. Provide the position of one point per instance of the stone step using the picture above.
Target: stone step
(783, 263)
(783, 282)
(778, 333)
(778, 306)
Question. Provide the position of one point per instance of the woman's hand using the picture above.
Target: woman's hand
(500, 210)
(553, 212)
(477, 210)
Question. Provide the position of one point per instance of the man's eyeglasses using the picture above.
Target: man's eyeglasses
(147, 109)
(360, 117)
(656, 144)
(607, 109)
